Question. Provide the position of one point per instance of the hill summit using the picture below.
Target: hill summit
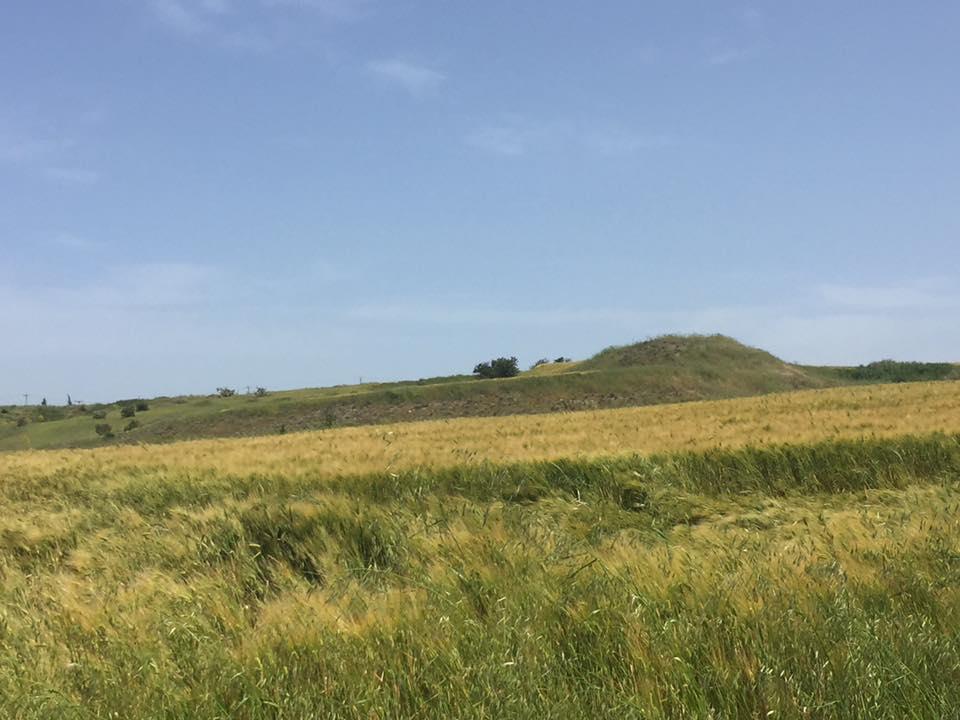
(683, 350)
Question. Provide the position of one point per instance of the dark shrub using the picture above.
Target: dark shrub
(562, 359)
(538, 363)
(226, 392)
(260, 392)
(127, 411)
(98, 414)
(51, 412)
(894, 371)
(22, 421)
(501, 367)
(132, 425)
(142, 406)
(104, 430)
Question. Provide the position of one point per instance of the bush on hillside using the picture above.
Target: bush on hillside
(894, 371)
(98, 414)
(127, 411)
(132, 425)
(260, 392)
(142, 406)
(50, 412)
(225, 392)
(562, 359)
(538, 363)
(22, 422)
(104, 430)
(501, 367)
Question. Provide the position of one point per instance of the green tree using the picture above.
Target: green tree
(501, 367)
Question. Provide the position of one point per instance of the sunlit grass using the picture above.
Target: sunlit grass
(675, 562)
(808, 416)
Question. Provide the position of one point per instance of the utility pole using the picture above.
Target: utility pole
(26, 398)
(248, 389)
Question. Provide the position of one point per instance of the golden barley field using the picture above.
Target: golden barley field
(789, 556)
(807, 416)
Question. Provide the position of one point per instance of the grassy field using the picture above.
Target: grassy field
(804, 416)
(791, 556)
(667, 369)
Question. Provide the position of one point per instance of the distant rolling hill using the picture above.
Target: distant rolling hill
(673, 368)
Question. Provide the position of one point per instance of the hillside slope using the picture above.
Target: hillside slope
(661, 370)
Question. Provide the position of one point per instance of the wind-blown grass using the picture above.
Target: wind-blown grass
(795, 581)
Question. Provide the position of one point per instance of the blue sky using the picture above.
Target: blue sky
(288, 193)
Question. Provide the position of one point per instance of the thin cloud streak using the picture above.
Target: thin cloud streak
(728, 57)
(75, 242)
(71, 175)
(502, 140)
(176, 16)
(244, 26)
(47, 157)
(889, 298)
(415, 79)
(515, 137)
(617, 143)
(15, 149)
(345, 10)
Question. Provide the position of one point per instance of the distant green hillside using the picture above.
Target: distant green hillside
(665, 369)
(716, 352)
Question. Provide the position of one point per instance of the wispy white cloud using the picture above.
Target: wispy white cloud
(501, 139)
(244, 25)
(217, 7)
(335, 9)
(20, 149)
(72, 175)
(517, 136)
(747, 39)
(181, 17)
(930, 295)
(211, 21)
(163, 284)
(133, 286)
(752, 17)
(415, 79)
(618, 142)
(728, 56)
(71, 241)
(46, 157)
